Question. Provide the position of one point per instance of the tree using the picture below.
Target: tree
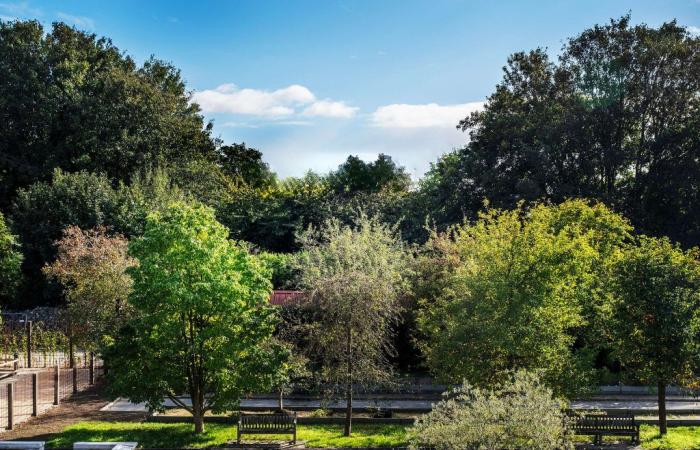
(202, 322)
(245, 164)
(91, 265)
(354, 277)
(655, 314)
(355, 175)
(10, 262)
(74, 101)
(42, 211)
(614, 119)
(520, 412)
(515, 289)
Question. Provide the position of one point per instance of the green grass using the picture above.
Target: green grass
(174, 435)
(151, 434)
(678, 438)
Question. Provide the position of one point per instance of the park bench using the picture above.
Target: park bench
(599, 425)
(278, 423)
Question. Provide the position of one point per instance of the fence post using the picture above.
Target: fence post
(75, 380)
(56, 382)
(92, 368)
(15, 365)
(10, 404)
(29, 344)
(35, 394)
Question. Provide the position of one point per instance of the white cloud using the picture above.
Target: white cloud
(79, 21)
(693, 30)
(20, 9)
(431, 115)
(328, 108)
(228, 98)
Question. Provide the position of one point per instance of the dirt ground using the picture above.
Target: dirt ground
(80, 407)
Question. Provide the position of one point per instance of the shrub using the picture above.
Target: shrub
(517, 413)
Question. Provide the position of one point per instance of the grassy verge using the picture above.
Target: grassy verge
(178, 435)
(166, 435)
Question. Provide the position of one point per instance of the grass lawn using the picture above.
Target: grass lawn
(153, 435)
(678, 438)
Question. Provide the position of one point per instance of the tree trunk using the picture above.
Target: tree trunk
(663, 429)
(348, 392)
(281, 400)
(198, 423)
(198, 411)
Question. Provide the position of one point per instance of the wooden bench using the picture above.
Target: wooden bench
(599, 425)
(278, 423)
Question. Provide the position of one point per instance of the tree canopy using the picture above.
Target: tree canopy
(71, 100)
(655, 314)
(614, 119)
(202, 324)
(514, 289)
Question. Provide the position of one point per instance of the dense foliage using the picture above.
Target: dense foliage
(10, 260)
(74, 101)
(514, 290)
(202, 324)
(520, 412)
(655, 315)
(615, 119)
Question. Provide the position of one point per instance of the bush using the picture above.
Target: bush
(518, 413)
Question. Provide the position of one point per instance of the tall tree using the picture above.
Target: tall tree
(656, 314)
(515, 289)
(202, 324)
(91, 265)
(616, 118)
(354, 277)
(74, 101)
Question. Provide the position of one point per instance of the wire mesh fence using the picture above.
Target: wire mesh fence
(30, 392)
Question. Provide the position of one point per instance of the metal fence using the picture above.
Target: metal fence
(29, 392)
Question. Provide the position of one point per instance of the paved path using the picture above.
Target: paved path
(412, 405)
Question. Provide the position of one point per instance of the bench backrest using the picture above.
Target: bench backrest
(267, 421)
(604, 422)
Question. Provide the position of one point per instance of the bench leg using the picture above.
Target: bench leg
(295, 436)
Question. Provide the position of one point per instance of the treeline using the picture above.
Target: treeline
(527, 248)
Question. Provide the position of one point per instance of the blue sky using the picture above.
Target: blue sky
(309, 82)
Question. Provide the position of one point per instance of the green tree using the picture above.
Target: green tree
(202, 325)
(515, 289)
(91, 265)
(10, 263)
(614, 119)
(43, 210)
(245, 164)
(355, 175)
(655, 314)
(354, 276)
(74, 101)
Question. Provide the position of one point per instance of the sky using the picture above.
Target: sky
(309, 82)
